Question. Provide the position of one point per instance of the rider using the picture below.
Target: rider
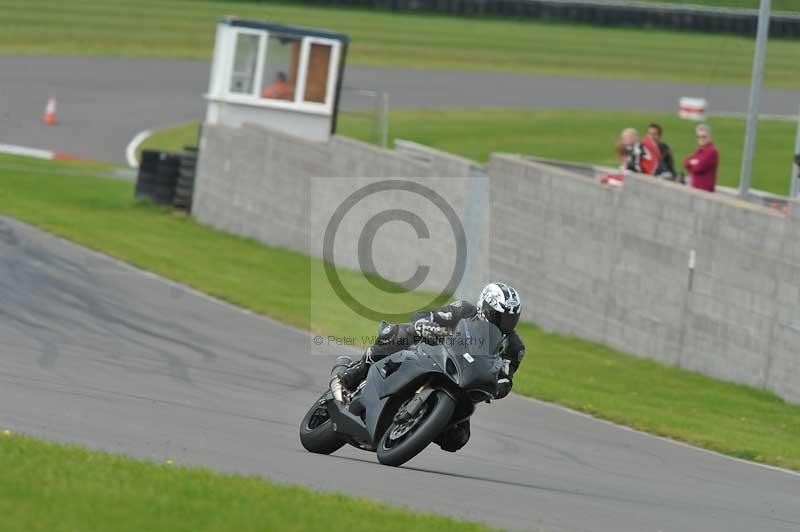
(498, 303)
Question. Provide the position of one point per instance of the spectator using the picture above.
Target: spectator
(641, 158)
(622, 157)
(702, 164)
(666, 163)
(279, 90)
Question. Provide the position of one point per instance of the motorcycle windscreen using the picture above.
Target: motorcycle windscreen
(474, 363)
(476, 337)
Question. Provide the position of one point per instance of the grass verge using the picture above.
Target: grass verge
(171, 138)
(52, 487)
(101, 214)
(185, 29)
(777, 5)
(581, 136)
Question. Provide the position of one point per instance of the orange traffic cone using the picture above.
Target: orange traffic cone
(50, 112)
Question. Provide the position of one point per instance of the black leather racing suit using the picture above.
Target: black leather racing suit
(425, 325)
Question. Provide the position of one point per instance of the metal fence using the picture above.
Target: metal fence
(370, 107)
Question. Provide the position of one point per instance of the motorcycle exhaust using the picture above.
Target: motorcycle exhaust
(335, 384)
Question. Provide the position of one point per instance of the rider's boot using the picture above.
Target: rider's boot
(356, 372)
(455, 437)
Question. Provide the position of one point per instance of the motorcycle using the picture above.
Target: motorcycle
(409, 399)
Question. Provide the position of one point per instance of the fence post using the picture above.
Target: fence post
(755, 98)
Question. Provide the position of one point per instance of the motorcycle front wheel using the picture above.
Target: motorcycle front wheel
(316, 431)
(403, 441)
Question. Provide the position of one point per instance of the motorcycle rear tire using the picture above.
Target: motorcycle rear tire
(428, 429)
(318, 437)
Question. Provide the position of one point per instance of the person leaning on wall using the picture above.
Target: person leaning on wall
(642, 156)
(666, 163)
(622, 158)
(702, 165)
(797, 167)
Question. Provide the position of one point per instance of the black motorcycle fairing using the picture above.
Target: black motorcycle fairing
(348, 425)
(470, 358)
(409, 370)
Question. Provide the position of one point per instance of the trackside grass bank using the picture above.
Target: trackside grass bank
(581, 136)
(185, 29)
(777, 5)
(101, 214)
(51, 487)
(588, 136)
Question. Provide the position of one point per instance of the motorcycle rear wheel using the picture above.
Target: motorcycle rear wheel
(401, 442)
(316, 431)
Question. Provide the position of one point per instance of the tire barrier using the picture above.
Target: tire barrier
(167, 178)
(597, 13)
(147, 179)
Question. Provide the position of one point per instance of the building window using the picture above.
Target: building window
(278, 70)
(244, 63)
(319, 60)
(280, 67)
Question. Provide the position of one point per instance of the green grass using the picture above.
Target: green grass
(581, 136)
(185, 29)
(54, 488)
(172, 138)
(777, 5)
(587, 136)
(101, 214)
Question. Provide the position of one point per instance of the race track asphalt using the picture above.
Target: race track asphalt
(98, 353)
(105, 101)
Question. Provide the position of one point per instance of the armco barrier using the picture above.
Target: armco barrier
(596, 12)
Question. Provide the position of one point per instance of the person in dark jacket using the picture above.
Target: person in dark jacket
(703, 163)
(666, 165)
(797, 165)
(498, 303)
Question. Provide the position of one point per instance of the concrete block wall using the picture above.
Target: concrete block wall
(612, 265)
(440, 162)
(604, 263)
(282, 190)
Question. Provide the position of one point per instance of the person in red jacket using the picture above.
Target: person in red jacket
(642, 156)
(702, 164)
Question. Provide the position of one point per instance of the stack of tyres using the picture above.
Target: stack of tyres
(168, 167)
(146, 180)
(158, 174)
(185, 184)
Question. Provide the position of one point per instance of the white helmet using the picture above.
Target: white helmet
(499, 304)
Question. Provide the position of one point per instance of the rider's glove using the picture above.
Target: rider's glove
(503, 387)
(427, 329)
